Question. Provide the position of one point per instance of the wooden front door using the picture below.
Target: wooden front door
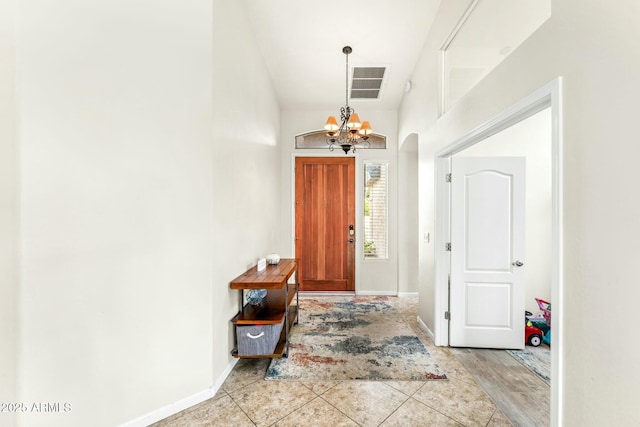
(325, 223)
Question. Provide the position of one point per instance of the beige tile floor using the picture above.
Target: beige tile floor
(246, 399)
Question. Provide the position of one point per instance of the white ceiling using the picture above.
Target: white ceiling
(301, 42)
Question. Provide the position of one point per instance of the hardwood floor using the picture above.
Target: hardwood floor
(521, 395)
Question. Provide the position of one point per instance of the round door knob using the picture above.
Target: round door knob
(517, 263)
(350, 240)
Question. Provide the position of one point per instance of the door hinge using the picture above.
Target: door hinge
(447, 177)
(447, 247)
(447, 315)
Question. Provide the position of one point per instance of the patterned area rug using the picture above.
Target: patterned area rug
(536, 359)
(353, 338)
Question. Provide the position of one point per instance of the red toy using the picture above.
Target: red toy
(545, 306)
(533, 335)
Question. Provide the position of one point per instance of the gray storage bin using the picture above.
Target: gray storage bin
(255, 340)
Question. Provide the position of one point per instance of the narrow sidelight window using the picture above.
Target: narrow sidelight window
(375, 210)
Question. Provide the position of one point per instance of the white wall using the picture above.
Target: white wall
(408, 224)
(117, 201)
(142, 143)
(375, 277)
(8, 210)
(592, 45)
(247, 167)
(530, 138)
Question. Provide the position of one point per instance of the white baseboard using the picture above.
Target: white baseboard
(325, 294)
(408, 294)
(221, 379)
(426, 329)
(359, 293)
(377, 293)
(181, 405)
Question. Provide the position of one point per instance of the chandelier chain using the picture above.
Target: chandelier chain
(347, 135)
(346, 83)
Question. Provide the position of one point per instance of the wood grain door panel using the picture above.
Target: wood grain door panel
(325, 207)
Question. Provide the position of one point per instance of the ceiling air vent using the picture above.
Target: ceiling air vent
(367, 82)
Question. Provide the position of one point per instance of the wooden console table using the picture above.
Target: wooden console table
(274, 308)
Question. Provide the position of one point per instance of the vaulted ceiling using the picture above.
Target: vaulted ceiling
(301, 43)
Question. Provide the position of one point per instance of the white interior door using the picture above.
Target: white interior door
(487, 288)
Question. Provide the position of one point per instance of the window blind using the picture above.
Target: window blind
(375, 210)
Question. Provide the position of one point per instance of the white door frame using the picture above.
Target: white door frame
(548, 96)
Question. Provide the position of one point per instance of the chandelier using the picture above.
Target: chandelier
(351, 133)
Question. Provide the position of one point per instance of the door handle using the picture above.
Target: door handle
(351, 240)
(517, 263)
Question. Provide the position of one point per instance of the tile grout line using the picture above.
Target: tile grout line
(440, 412)
(490, 418)
(435, 409)
(242, 410)
(338, 409)
(295, 409)
(396, 410)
